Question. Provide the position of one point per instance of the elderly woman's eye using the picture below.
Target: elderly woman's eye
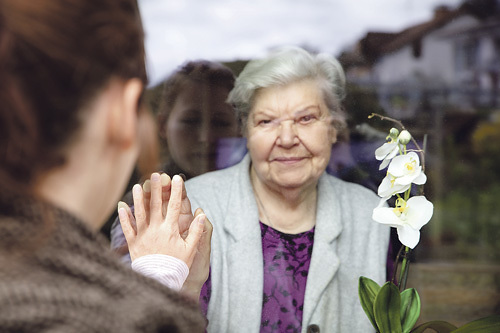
(263, 122)
(307, 119)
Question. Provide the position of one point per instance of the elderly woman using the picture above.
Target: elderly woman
(290, 241)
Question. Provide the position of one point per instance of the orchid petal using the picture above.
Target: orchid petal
(386, 152)
(397, 167)
(384, 164)
(420, 211)
(420, 179)
(386, 149)
(408, 179)
(382, 202)
(408, 236)
(388, 188)
(385, 215)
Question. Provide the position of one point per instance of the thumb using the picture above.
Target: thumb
(195, 232)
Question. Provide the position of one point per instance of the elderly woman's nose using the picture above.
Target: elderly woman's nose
(287, 134)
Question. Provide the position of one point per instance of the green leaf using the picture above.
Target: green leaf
(367, 291)
(387, 309)
(437, 325)
(410, 309)
(483, 325)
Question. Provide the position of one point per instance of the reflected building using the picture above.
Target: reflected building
(452, 59)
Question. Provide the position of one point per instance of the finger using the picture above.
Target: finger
(155, 211)
(165, 191)
(186, 214)
(127, 228)
(131, 218)
(195, 234)
(184, 193)
(198, 211)
(185, 223)
(146, 187)
(139, 210)
(174, 204)
(207, 233)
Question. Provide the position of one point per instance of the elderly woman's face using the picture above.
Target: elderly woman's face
(290, 135)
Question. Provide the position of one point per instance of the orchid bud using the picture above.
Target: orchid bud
(404, 137)
(393, 133)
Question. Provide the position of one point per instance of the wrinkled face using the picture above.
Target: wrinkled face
(199, 118)
(290, 135)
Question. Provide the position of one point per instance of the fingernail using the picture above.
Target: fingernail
(136, 189)
(155, 177)
(122, 204)
(176, 179)
(122, 213)
(202, 219)
(165, 179)
(147, 186)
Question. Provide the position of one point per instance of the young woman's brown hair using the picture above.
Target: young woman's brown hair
(54, 57)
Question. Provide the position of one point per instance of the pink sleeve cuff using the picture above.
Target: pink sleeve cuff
(168, 270)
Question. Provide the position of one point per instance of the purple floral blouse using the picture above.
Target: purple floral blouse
(286, 264)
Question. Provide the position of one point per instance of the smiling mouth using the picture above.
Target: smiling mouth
(288, 160)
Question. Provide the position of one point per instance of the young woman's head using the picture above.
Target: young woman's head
(194, 115)
(55, 58)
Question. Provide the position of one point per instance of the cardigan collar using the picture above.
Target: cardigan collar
(242, 202)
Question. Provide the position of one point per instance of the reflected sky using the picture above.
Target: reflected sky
(226, 30)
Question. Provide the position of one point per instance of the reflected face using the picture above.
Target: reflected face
(198, 119)
(289, 135)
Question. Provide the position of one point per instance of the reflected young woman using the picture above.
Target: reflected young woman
(194, 117)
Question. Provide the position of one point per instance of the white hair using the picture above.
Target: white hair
(283, 67)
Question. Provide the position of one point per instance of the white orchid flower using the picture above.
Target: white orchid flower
(408, 217)
(386, 153)
(402, 172)
(407, 169)
(388, 187)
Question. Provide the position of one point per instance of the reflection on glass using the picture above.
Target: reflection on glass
(194, 117)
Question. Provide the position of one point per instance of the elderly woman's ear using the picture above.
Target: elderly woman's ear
(334, 137)
(333, 134)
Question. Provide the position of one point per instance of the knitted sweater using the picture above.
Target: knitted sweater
(65, 279)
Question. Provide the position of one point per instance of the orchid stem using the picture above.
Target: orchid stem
(405, 265)
(396, 263)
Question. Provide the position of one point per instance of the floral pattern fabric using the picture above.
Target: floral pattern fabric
(286, 264)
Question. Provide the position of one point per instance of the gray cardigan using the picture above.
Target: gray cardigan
(347, 244)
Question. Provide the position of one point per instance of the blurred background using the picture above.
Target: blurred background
(433, 64)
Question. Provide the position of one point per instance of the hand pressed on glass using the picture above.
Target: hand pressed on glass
(163, 222)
